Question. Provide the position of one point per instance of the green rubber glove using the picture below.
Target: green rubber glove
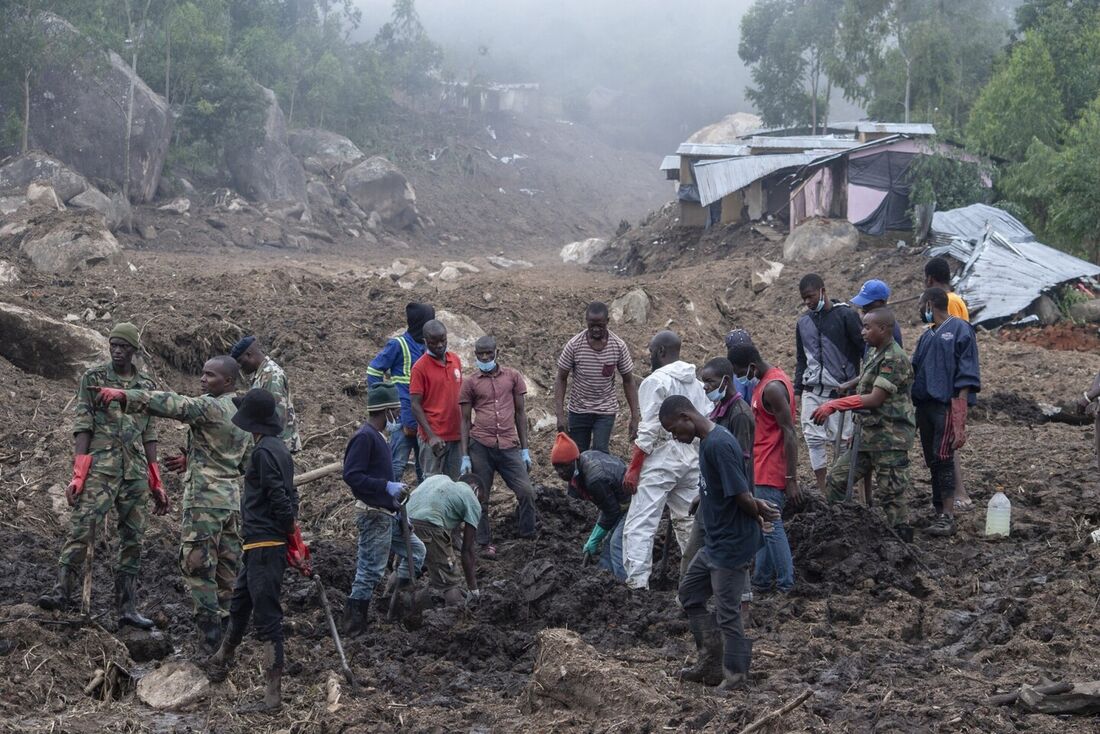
(592, 547)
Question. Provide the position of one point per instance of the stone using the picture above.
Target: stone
(505, 263)
(448, 274)
(78, 114)
(460, 266)
(817, 238)
(11, 204)
(631, 308)
(319, 195)
(43, 195)
(93, 198)
(46, 346)
(1087, 311)
(374, 221)
(764, 273)
(174, 686)
(145, 645)
(147, 232)
(329, 150)
(9, 274)
(267, 171)
(1047, 310)
(17, 173)
(583, 251)
(181, 206)
(74, 243)
(378, 186)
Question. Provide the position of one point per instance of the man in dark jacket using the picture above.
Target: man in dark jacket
(598, 478)
(368, 471)
(269, 507)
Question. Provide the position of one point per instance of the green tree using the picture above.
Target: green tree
(1071, 30)
(26, 47)
(411, 59)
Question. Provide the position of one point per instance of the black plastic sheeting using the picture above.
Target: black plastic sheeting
(889, 172)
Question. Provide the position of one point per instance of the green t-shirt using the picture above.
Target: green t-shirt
(443, 502)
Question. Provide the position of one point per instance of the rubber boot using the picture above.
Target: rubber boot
(356, 617)
(217, 667)
(708, 669)
(60, 598)
(273, 682)
(735, 664)
(126, 603)
(210, 632)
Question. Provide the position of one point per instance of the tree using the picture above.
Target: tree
(1071, 30)
(947, 180)
(411, 58)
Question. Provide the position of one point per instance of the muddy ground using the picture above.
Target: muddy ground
(888, 640)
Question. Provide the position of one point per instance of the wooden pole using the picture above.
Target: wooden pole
(314, 474)
(89, 556)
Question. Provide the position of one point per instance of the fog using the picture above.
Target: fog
(675, 63)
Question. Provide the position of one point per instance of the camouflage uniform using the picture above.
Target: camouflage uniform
(888, 433)
(210, 548)
(119, 473)
(270, 377)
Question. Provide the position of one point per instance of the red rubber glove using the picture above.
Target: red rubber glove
(107, 395)
(156, 488)
(634, 471)
(297, 552)
(852, 402)
(82, 464)
(958, 423)
(177, 464)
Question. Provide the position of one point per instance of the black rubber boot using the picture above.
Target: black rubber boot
(210, 632)
(217, 667)
(60, 597)
(273, 682)
(126, 603)
(356, 617)
(708, 669)
(735, 664)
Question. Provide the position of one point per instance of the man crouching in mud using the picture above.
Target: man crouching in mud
(732, 521)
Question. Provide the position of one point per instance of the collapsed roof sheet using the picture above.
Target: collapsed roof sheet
(891, 128)
(1005, 268)
(712, 149)
(670, 163)
(806, 142)
(719, 178)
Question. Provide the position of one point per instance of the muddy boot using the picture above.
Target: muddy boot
(218, 665)
(273, 682)
(126, 603)
(943, 527)
(60, 598)
(356, 617)
(708, 669)
(735, 665)
(210, 632)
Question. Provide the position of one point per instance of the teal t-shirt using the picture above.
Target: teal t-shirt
(443, 502)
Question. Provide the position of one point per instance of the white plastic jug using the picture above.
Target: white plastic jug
(998, 515)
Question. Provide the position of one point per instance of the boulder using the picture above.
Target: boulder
(71, 243)
(448, 274)
(330, 150)
(1087, 311)
(19, 172)
(376, 185)
(818, 238)
(1047, 310)
(268, 171)
(319, 195)
(174, 686)
(43, 195)
(583, 251)
(505, 263)
(631, 308)
(93, 198)
(46, 346)
(78, 114)
(462, 333)
(9, 274)
(764, 273)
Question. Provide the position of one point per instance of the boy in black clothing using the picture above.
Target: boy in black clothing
(732, 522)
(269, 506)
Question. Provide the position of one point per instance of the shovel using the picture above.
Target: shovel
(316, 579)
(406, 532)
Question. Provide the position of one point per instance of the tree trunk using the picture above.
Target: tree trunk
(290, 113)
(168, 59)
(26, 110)
(908, 86)
(813, 102)
(129, 127)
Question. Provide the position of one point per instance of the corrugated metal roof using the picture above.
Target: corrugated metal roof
(818, 161)
(891, 128)
(806, 142)
(721, 177)
(670, 163)
(728, 150)
(1006, 269)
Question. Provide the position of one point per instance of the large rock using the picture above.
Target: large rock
(631, 308)
(583, 251)
(329, 150)
(1087, 311)
(70, 243)
(9, 274)
(93, 198)
(45, 346)
(78, 114)
(818, 238)
(35, 166)
(376, 185)
(174, 686)
(268, 171)
(43, 195)
(764, 273)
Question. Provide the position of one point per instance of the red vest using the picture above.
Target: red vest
(768, 453)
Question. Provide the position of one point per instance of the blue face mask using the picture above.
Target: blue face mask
(392, 426)
(486, 366)
(716, 395)
(820, 303)
(927, 316)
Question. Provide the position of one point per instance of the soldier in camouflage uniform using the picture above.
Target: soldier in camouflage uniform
(212, 465)
(268, 375)
(889, 426)
(115, 465)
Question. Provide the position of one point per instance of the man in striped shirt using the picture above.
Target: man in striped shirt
(592, 358)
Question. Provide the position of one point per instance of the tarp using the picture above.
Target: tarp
(886, 171)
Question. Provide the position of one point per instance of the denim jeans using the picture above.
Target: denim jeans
(705, 579)
(591, 431)
(773, 561)
(379, 535)
(611, 557)
(449, 463)
(401, 446)
(508, 463)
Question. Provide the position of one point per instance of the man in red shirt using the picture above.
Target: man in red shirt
(775, 460)
(494, 438)
(433, 392)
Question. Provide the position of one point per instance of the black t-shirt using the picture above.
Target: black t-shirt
(731, 536)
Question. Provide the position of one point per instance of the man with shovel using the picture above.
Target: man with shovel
(885, 431)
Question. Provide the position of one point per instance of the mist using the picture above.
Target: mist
(670, 67)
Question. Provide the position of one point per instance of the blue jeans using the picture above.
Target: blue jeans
(591, 431)
(400, 446)
(611, 557)
(379, 535)
(773, 561)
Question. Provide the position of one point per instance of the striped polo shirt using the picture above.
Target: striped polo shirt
(592, 387)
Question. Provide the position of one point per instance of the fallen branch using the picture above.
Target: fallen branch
(1007, 699)
(314, 474)
(778, 713)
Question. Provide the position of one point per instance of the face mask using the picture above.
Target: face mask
(486, 366)
(927, 316)
(393, 425)
(820, 303)
(716, 395)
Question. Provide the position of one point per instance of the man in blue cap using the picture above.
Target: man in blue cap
(874, 294)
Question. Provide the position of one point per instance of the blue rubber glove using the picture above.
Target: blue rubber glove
(592, 547)
(394, 489)
(526, 454)
(465, 467)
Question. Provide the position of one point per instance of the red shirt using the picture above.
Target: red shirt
(438, 385)
(493, 398)
(769, 456)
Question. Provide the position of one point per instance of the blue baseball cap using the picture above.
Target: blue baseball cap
(872, 290)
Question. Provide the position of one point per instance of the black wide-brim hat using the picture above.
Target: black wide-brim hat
(256, 413)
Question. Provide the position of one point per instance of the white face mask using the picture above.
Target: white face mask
(393, 425)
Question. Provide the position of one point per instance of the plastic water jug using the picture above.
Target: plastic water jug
(998, 516)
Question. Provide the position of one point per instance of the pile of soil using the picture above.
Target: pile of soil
(1065, 336)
